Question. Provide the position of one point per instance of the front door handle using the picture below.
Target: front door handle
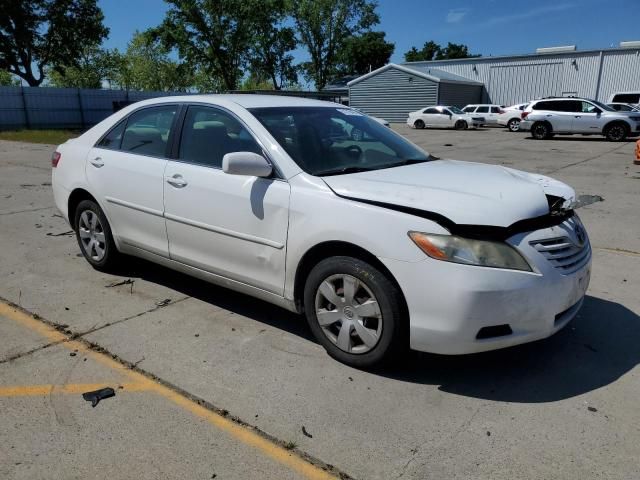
(578, 116)
(97, 162)
(177, 181)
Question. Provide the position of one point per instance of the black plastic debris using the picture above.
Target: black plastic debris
(68, 233)
(163, 303)
(128, 281)
(97, 395)
(305, 433)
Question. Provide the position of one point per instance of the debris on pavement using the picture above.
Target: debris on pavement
(305, 433)
(592, 409)
(95, 396)
(163, 303)
(68, 233)
(584, 200)
(128, 281)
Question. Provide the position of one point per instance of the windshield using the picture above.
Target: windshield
(456, 110)
(330, 141)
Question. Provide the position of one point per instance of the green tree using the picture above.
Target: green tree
(432, 51)
(271, 45)
(146, 65)
(365, 52)
(213, 36)
(429, 51)
(38, 34)
(323, 27)
(90, 70)
(7, 80)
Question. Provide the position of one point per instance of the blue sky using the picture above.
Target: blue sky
(489, 27)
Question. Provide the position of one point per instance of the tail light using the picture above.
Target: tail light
(55, 159)
(524, 115)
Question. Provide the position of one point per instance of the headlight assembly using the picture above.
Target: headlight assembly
(484, 253)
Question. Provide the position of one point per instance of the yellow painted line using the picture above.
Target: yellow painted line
(241, 433)
(74, 388)
(620, 251)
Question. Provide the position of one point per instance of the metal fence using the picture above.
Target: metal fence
(73, 108)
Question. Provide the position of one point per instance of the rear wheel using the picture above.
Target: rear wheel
(461, 125)
(541, 131)
(94, 236)
(616, 132)
(513, 125)
(419, 124)
(354, 311)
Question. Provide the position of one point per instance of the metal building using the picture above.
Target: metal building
(508, 80)
(392, 91)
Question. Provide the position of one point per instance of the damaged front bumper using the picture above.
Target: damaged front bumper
(459, 309)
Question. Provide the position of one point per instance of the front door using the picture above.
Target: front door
(125, 171)
(588, 119)
(230, 225)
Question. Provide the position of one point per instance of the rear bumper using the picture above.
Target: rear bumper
(525, 125)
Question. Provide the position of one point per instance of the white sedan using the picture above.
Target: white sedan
(510, 116)
(443, 117)
(379, 244)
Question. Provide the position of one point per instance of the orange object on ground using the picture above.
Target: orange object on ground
(637, 160)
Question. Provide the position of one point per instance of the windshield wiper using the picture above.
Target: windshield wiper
(342, 171)
(412, 161)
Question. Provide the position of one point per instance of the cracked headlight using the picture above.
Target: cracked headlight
(484, 253)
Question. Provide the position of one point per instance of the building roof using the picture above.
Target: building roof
(430, 73)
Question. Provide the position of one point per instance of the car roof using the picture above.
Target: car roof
(247, 100)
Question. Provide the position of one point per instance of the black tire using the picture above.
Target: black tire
(461, 125)
(111, 257)
(616, 132)
(513, 125)
(392, 339)
(541, 131)
(419, 124)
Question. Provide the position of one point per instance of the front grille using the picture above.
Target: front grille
(563, 254)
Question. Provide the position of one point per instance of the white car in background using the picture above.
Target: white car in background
(632, 98)
(443, 117)
(382, 246)
(624, 107)
(510, 116)
(487, 111)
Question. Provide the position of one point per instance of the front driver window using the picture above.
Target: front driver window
(208, 134)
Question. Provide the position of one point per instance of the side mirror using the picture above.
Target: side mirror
(597, 111)
(246, 163)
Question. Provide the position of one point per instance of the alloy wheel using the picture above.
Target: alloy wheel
(348, 313)
(514, 125)
(92, 235)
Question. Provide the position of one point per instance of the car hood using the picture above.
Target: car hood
(466, 193)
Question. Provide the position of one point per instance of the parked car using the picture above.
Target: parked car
(623, 107)
(488, 111)
(550, 116)
(443, 117)
(632, 98)
(510, 116)
(381, 245)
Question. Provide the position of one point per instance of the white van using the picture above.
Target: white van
(632, 98)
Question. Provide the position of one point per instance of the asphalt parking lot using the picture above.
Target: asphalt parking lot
(218, 385)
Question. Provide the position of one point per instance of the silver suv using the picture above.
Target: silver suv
(549, 116)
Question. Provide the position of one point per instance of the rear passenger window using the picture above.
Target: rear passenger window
(495, 109)
(209, 134)
(469, 109)
(431, 110)
(112, 139)
(147, 131)
(482, 110)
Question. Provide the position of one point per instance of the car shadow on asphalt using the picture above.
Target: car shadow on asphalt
(221, 297)
(598, 347)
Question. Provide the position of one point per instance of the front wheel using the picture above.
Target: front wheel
(419, 124)
(461, 125)
(616, 132)
(94, 236)
(354, 311)
(513, 125)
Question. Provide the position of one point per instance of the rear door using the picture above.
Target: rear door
(234, 226)
(431, 117)
(125, 170)
(494, 113)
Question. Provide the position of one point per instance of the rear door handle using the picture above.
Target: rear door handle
(177, 181)
(578, 116)
(97, 162)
